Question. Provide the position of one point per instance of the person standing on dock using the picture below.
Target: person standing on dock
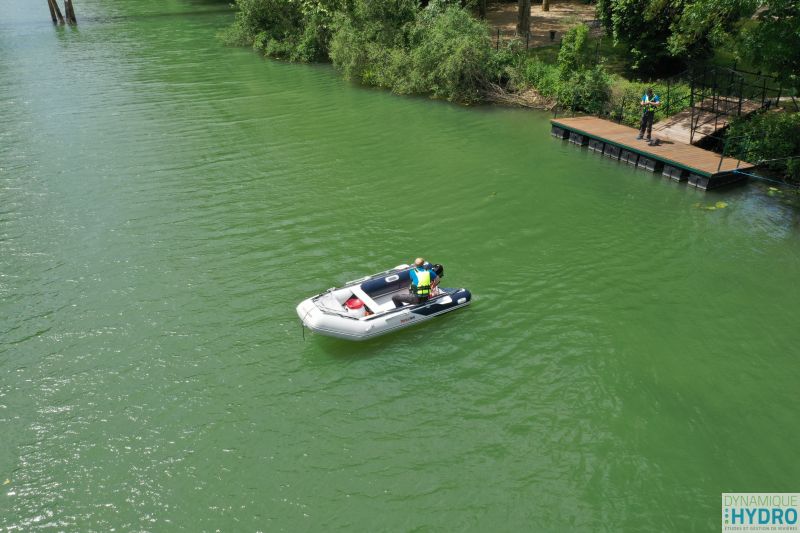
(649, 104)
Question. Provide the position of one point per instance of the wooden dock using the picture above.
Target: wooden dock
(705, 119)
(676, 160)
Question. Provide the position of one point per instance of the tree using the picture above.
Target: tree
(660, 32)
(644, 27)
(545, 5)
(704, 24)
(773, 41)
(298, 31)
(524, 18)
(770, 137)
(441, 50)
(764, 32)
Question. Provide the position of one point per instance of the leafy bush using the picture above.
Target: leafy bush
(767, 136)
(381, 21)
(508, 62)
(567, 82)
(573, 48)
(586, 90)
(263, 20)
(444, 51)
(544, 77)
(298, 31)
(349, 49)
(441, 50)
(450, 53)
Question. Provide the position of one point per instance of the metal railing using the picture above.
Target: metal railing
(727, 92)
(714, 95)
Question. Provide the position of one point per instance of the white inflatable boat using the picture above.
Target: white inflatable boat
(363, 308)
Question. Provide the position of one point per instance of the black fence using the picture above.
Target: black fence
(529, 40)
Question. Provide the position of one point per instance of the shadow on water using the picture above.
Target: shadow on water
(766, 201)
(226, 3)
(156, 16)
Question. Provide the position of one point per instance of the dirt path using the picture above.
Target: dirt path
(562, 15)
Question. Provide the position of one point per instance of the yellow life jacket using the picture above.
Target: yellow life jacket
(423, 286)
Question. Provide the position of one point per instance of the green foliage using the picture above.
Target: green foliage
(767, 136)
(643, 27)
(295, 30)
(663, 34)
(384, 22)
(450, 53)
(773, 42)
(263, 20)
(569, 83)
(349, 48)
(573, 49)
(508, 61)
(586, 90)
(546, 78)
(442, 50)
(705, 23)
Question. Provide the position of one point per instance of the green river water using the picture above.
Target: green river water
(165, 202)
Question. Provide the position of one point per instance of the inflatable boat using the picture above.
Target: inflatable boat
(363, 308)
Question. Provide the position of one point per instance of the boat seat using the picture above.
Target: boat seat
(373, 306)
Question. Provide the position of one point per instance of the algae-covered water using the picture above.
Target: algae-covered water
(165, 202)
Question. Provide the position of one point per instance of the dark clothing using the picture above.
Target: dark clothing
(413, 297)
(399, 299)
(648, 113)
(647, 123)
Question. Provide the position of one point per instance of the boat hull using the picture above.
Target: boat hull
(319, 320)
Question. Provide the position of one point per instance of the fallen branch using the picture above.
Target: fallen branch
(529, 98)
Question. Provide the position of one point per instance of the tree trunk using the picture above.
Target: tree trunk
(482, 9)
(524, 19)
(545, 5)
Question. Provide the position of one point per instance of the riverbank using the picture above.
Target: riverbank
(444, 51)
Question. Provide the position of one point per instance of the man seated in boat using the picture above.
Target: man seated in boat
(422, 281)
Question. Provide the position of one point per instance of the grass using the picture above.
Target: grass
(597, 48)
